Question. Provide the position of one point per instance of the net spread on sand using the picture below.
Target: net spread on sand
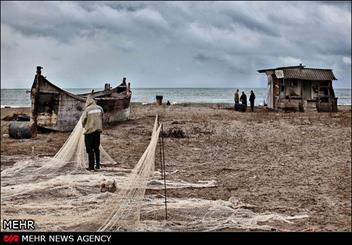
(59, 194)
(126, 213)
(126, 205)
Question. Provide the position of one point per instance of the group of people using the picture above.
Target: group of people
(243, 100)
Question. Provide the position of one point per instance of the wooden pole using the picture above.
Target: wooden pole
(163, 161)
(329, 99)
(318, 96)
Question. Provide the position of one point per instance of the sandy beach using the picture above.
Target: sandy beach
(287, 163)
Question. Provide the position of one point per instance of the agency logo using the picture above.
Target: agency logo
(11, 238)
(18, 224)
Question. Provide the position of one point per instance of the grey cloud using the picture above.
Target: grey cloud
(210, 58)
(155, 42)
(341, 4)
(65, 23)
(251, 23)
(201, 57)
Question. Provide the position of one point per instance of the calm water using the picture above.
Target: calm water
(19, 97)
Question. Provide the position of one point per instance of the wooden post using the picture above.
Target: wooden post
(329, 99)
(318, 96)
(161, 158)
(162, 143)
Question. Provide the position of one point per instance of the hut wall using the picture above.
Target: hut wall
(273, 90)
(315, 87)
(276, 91)
(293, 88)
(270, 92)
(323, 91)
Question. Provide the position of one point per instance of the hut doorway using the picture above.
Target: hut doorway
(307, 90)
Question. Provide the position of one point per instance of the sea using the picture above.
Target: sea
(21, 97)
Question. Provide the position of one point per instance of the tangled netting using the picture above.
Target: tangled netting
(72, 154)
(59, 194)
(126, 213)
(196, 214)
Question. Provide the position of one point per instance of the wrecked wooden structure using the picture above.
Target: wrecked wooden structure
(297, 88)
(56, 109)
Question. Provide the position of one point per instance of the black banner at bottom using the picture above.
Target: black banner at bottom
(14, 238)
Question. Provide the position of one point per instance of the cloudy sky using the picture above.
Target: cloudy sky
(171, 44)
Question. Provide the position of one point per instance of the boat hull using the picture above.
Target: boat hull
(56, 109)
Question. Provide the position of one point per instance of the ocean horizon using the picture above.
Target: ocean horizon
(20, 98)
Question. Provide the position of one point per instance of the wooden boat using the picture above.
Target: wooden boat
(56, 109)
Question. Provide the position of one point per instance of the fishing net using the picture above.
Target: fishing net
(71, 155)
(38, 175)
(197, 214)
(126, 211)
(60, 195)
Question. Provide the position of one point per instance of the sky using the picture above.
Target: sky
(172, 44)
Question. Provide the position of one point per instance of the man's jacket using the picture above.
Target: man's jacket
(92, 118)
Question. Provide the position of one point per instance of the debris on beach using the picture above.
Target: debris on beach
(17, 117)
(174, 132)
(109, 185)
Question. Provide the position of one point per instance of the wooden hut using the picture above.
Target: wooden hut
(297, 88)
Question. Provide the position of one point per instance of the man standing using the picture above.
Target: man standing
(251, 100)
(237, 97)
(243, 100)
(92, 122)
(237, 100)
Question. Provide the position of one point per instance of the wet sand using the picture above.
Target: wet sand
(287, 163)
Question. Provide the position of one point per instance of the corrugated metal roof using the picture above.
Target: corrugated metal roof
(309, 74)
(280, 68)
(300, 72)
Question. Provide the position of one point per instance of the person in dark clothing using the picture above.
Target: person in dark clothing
(92, 122)
(92, 142)
(251, 100)
(237, 100)
(243, 99)
(237, 97)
